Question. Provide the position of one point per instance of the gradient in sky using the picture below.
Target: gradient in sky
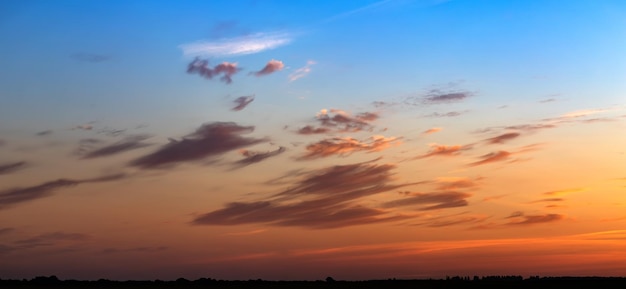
(305, 139)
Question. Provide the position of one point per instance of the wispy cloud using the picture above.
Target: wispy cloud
(446, 114)
(346, 146)
(271, 67)
(443, 150)
(432, 201)
(432, 130)
(502, 138)
(519, 218)
(129, 143)
(248, 44)
(251, 157)
(208, 140)
(492, 157)
(564, 192)
(18, 195)
(242, 101)
(201, 67)
(302, 71)
(8, 168)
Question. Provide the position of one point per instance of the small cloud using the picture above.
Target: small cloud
(492, 157)
(129, 143)
(243, 45)
(437, 97)
(227, 69)
(432, 130)
(548, 200)
(208, 140)
(242, 101)
(443, 150)
(44, 133)
(564, 192)
(306, 130)
(252, 157)
(6, 230)
(8, 168)
(446, 114)
(455, 183)
(90, 57)
(432, 201)
(547, 100)
(302, 71)
(83, 127)
(341, 121)
(521, 219)
(271, 67)
(346, 146)
(502, 138)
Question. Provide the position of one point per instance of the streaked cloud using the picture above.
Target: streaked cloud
(432, 130)
(346, 146)
(446, 114)
(248, 44)
(431, 201)
(201, 67)
(127, 144)
(313, 130)
(336, 120)
(14, 196)
(302, 71)
(208, 140)
(456, 183)
(251, 157)
(242, 101)
(520, 218)
(8, 168)
(443, 150)
(492, 157)
(271, 67)
(500, 139)
(564, 192)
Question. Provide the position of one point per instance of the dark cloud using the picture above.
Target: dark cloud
(111, 131)
(521, 219)
(43, 133)
(549, 200)
(252, 157)
(11, 167)
(6, 230)
(492, 157)
(443, 150)
(448, 184)
(313, 130)
(19, 195)
(242, 101)
(208, 140)
(226, 69)
(346, 146)
(136, 249)
(130, 143)
(271, 67)
(325, 198)
(90, 57)
(436, 96)
(502, 138)
(341, 121)
(431, 201)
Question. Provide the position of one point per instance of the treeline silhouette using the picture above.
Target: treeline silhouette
(465, 282)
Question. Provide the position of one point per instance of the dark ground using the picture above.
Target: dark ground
(504, 282)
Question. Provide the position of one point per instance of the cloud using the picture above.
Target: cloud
(564, 192)
(302, 71)
(83, 127)
(129, 143)
(502, 138)
(19, 195)
(325, 198)
(547, 100)
(446, 114)
(312, 130)
(135, 249)
(243, 45)
(443, 150)
(227, 69)
(432, 130)
(90, 57)
(548, 200)
(436, 96)
(48, 239)
(341, 121)
(242, 101)
(8, 168)
(455, 183)
(492, 157)
(346, 146)
(44, 132)
(2, 142)
(520, 219)
(271, 67)
(6, 230)
(208, 140)
(431, 201)
(252, 157)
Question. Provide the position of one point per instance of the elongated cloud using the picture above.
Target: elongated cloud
(19, 195)
(455, 183)
(437, 96)
(502, 138)
(11, 167)
(249, 44)
(313, 130)
(522, 219)
(201, 67)
(208, 140)
(346, 146)
(242, 101)
(302, 71)
(325, 198)
(130, 143)
(340, 121)
(443, 150)
(492, 157)
(252, 157)
(432, 201)
(271, 67)
(432, 130)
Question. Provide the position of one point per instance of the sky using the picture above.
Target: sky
(295, 140)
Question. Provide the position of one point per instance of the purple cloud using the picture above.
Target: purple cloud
(226, 69)
(241, 102)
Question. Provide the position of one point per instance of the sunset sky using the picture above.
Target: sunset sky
(294, 140)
